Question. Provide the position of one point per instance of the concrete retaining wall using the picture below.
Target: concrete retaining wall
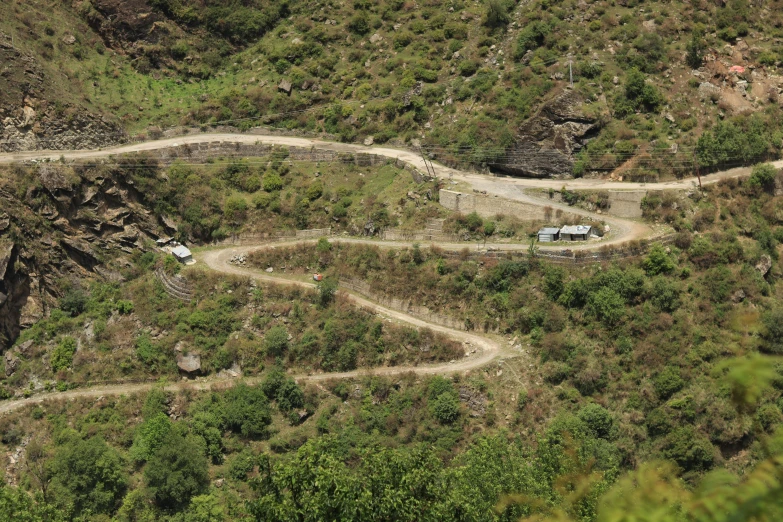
(489, 206)
(626, 203)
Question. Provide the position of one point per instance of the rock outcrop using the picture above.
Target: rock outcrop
(67, 225)
(33, 115)
(546, 143)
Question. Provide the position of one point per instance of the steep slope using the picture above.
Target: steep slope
(34, 116)
(60, 228)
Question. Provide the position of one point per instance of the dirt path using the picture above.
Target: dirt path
(510, 188)
(404, 155)
(486, 349)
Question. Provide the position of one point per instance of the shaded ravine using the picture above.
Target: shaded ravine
(486, 349)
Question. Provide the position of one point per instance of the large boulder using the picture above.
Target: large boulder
(546, 142)
(189, 363)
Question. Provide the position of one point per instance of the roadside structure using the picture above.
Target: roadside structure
(575, 232)
(548, 234)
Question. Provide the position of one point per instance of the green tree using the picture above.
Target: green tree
(598, 419)
(497, 14)
(695, 51)
(772, 321)
(327, 289)
(638, 95)
(235, 209)
(177, 472)
(606, 305)
(554, 281)
(763, 176)
(245, 410)
(88, 475)
(205, 508)
(445, 407)
(16, 505)
(658, 261)
(665, 295)
(150, 435)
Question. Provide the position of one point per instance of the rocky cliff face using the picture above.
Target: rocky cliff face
(29, 120)
(58, 224)
(546, 143)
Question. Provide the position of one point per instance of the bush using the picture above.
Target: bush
(74, 302)
(177, 472)
(772, 333)
(689, 449)
(272, 182)
(468, 67)
(150, 435)
(241, 465)
(763, 177)
(314, 191)
(665, 295)
(290, 396)
(125, 307)
(638, 95)
(88, 476)
(359, 24)
(668, 382)
(246, 411)
(62, 356)
(658, 261)
(497, 14)
(276, 341)
(445, 408)
(235, 208)
(598, 419)
(606, 305)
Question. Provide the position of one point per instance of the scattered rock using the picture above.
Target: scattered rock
(270, 269)
(69, 39)
(11, 363)
(764, 265)
(285, 86)
(708, 90)
(374, 39)
(738, 296)
(189, 363)
(369, 140)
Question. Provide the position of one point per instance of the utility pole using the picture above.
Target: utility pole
(570, 72)
(696, 164)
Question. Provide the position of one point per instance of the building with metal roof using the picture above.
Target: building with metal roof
(575, 232)
(183, 254)
(548, 234)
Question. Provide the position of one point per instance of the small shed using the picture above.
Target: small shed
(575, 232)
(548, 234)
(183, 255)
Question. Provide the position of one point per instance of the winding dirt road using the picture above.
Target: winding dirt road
(486, 349)
(506, 187)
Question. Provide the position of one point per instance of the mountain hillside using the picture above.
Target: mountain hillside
(473, 82)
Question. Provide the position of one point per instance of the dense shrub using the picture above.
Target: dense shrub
(62, 356)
